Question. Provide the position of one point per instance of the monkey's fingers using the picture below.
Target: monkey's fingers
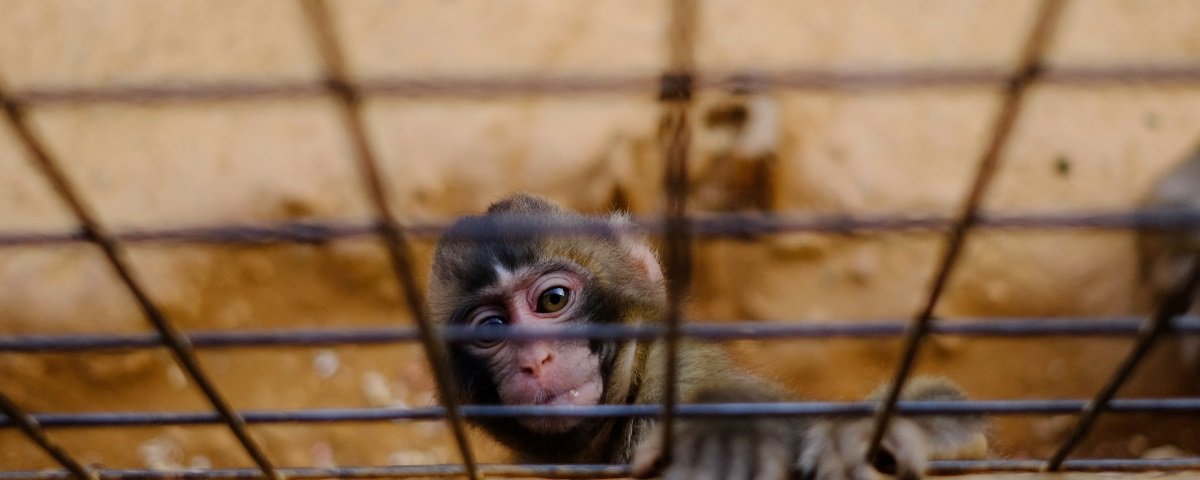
(905, 451)
(698, 458)
(838, 450)
(716, 452)
(771, 463)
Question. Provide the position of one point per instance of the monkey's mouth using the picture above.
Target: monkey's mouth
(586, 394)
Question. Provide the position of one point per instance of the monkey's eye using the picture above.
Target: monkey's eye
(490, 326)
(552, 300)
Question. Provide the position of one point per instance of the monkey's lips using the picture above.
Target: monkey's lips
(584, 395)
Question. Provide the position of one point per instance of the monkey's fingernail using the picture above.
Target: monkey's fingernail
(574, 393)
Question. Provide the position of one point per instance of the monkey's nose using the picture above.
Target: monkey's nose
(536, 358)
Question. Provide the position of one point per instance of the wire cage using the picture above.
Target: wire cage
(677, 228)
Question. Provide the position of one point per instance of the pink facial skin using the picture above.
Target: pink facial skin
(538, 372)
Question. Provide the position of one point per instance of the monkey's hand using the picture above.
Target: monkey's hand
(736, 449)
(776, 448)
(837, 449)
(753, 448)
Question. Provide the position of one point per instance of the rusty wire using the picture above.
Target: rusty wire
(676, 93)
(398, 248)
(1027, 72)
(95, 232)
(1174, 305)
(34, 431)
(675, 88)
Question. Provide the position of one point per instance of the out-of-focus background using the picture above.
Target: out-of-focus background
(874, 151)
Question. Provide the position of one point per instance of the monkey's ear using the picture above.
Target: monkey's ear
(643, 256)
(645, 259)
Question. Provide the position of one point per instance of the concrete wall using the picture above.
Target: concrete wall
(878, 152)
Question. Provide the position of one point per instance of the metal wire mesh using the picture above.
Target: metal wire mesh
(1027, 71)
(398, 249)
(675, 88)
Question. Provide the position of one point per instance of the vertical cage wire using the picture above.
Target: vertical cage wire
(676, 94)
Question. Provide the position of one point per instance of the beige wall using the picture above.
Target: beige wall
(880, 152)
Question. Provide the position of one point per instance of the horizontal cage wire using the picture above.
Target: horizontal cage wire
(781, 329)
(678, 228)
(492, 86)
(793, 409)
(708, 226)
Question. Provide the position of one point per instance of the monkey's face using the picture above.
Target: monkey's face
(537, 372)
(541, 282)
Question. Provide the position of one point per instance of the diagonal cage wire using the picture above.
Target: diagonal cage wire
(185, 356)
(1176, 304)
(398, 249)
(32, 429)
(678, 228)
(1027, 73)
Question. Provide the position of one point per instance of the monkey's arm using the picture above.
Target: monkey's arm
(722, 447)
(767, 447)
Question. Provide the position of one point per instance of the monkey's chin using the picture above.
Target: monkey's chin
(550, 425)
(585, 395)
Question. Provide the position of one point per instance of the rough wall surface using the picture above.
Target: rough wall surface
(878, 152)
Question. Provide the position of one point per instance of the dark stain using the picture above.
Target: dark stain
(1062, 166)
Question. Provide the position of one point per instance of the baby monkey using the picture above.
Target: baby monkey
(558, 280)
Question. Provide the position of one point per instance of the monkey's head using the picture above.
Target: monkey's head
(542, 281)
